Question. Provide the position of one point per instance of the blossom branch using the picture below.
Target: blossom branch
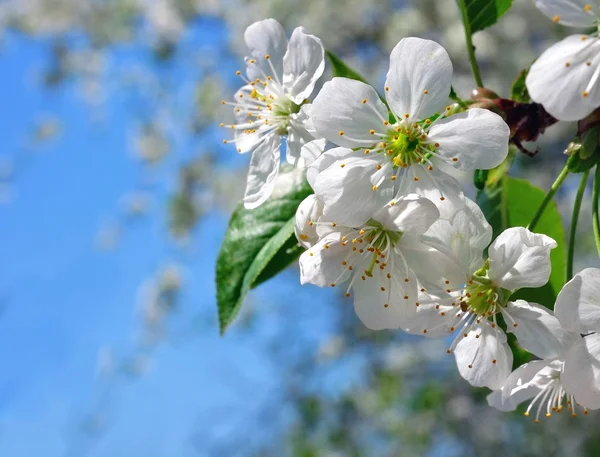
(574, 220)
(469, 40)
(548, 198)
(595, 219)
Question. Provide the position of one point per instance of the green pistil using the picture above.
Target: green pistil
(482, 297)
(402, 148)
(379, 239)
(285, 109)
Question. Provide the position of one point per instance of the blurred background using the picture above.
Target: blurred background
(115, 192)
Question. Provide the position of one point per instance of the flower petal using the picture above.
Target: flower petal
(297, 137)
(410, 214)
(322, 265)
(564, 79)
(372, 294)
(436, 185)
(263, 38)
(581, 376)
(485, 361)
(523, 384)
(578, 303)
(576, 13)
(311, 151)
(309, 211)
(263, 170)
(326, 160)
(520, 258)
(419, 79)
(244, 140)
(353, 188)
(339, 114)
(462, 239)
(538, 330)
(478, 138)
(303, 65)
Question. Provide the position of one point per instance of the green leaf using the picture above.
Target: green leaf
(484, 13)
(258, 244)
(340, 69)
(519, 92)
(512, 202)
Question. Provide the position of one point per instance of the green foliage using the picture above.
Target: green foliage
(512, 202)
(258, 244)
(340, 69)
(519, 92)
(485, 13)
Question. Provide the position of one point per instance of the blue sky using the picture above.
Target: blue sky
(65, 299)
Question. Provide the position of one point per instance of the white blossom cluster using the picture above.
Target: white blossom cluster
(390, 225)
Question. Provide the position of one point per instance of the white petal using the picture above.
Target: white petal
(346, 187)
(322, 266)
(430, 266)
(581, 376)
(478, 138)
(263, 170)
(419, 79)
(411, 214)
(436, 185)
(370, 300)
(538, 330)
(520, 258)
(263, 38)
(523, 384)
(308, 212)
(559, 78)
(339, 108)
(297, 137)
(570, 12)
(427, 320)
(306, 115)
(324, 161)
(462, 239)
(311, 151)
(244, 141)
(578, 303)
(475, 357)
(303, 65)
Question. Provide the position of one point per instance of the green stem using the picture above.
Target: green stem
(595, 219)
(470, 47)
(574, 220)
(548, 198)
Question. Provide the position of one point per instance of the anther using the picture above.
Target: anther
(341, 133)
(267, 57)
(372, 132)
(364, 101)
(425, 92)
(374, 187)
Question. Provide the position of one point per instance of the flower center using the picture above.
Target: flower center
(406, 145)
(482, 297)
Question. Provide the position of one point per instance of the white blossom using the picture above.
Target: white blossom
(564, 79)
(380, 259)
(541, 381)
(578, 309)
(473, 291)
(281, 77)
(406, 153)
